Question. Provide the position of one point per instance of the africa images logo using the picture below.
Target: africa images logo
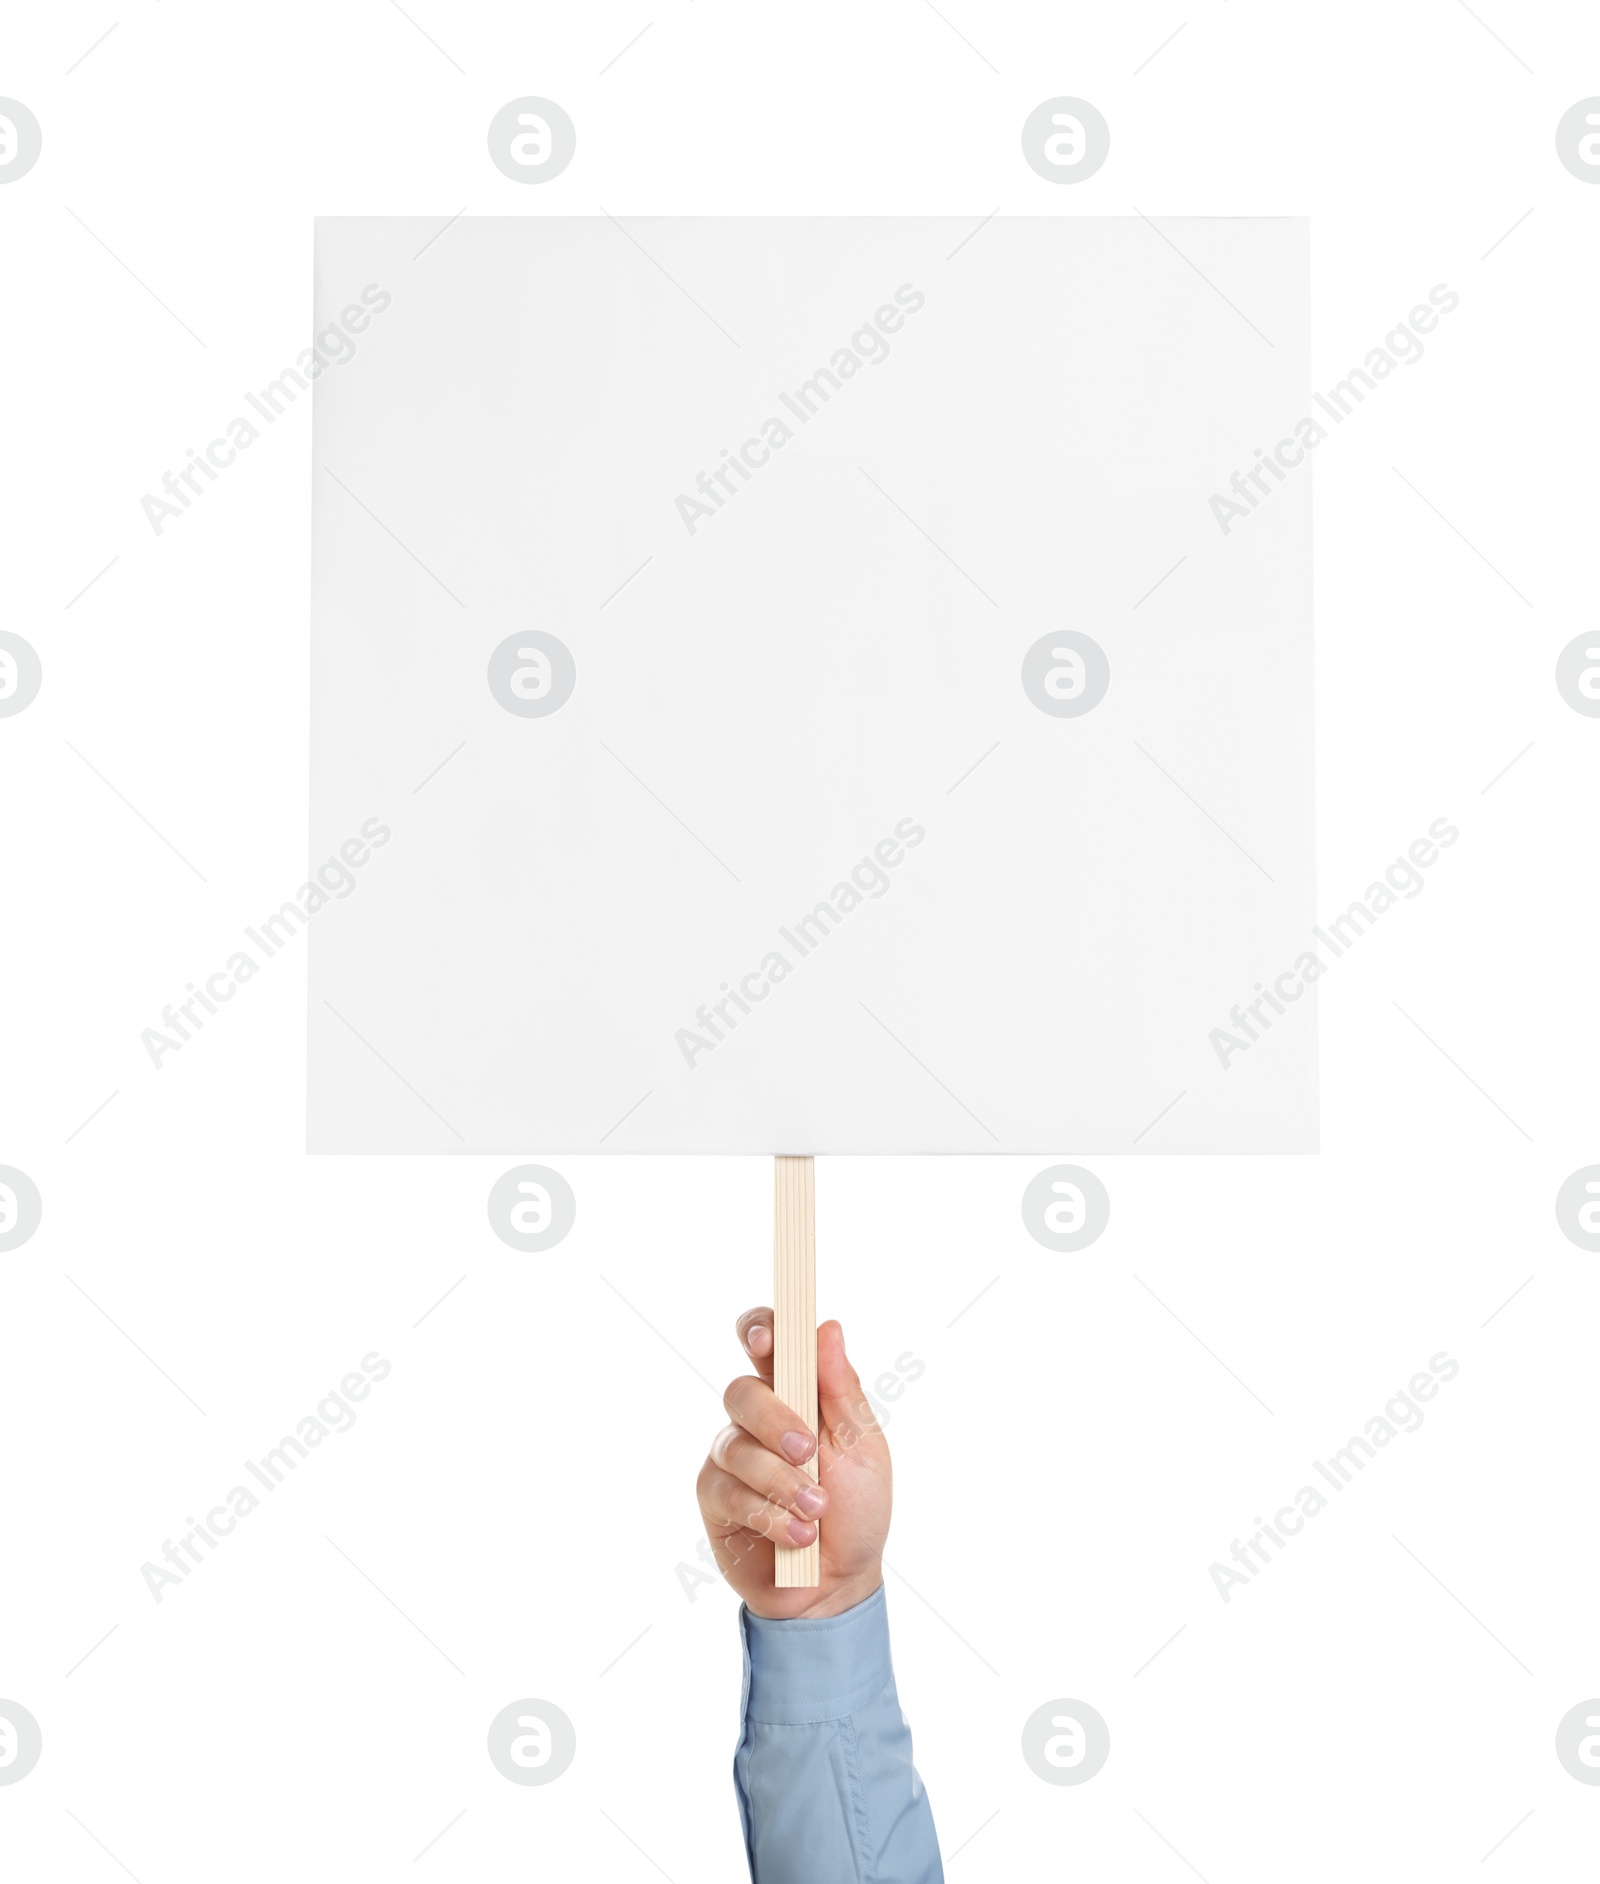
(869, 346)
(1401, 1414)
(334, 881)
(869, 880)
(1402, 346)
(1402, 879)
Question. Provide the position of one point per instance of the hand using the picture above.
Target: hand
(754, 1492)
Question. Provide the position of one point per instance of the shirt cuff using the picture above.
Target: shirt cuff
(815, 1670)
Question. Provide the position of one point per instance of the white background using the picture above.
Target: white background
(1073, 1458)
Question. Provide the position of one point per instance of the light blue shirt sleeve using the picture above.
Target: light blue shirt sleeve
(827, 1791)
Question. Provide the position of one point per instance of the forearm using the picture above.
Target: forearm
(826, 1785)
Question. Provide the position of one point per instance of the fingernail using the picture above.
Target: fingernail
(800, 1532)
(798, 1446)
(811, 1501)
(759, 1340)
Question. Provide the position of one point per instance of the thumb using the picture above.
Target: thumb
(841, 1399)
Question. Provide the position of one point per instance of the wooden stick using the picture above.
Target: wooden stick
(794, 1332)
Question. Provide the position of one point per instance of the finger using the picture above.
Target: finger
(741, 1553)
(766, 1474)
(752, 1404)
(728, 1504)
(846, 1411)
(754, 1329)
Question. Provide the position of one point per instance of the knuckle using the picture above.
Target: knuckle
(736, 1395)
(760, 1517)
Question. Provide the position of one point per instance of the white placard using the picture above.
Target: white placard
(829, 685)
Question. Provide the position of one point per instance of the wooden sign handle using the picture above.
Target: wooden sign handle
(794, 1332)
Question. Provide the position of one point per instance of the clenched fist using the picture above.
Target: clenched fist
(754, 1491)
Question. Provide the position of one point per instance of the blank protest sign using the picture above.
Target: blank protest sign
(815, 705)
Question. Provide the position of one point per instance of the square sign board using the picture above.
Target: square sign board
(824, 685)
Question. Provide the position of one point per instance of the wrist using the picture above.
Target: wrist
(816, 1667)
(846, 1593)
